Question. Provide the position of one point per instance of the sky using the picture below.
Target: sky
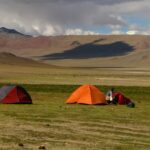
(76, 17)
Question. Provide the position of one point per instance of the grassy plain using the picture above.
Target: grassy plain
(58, 126)
(63, 75)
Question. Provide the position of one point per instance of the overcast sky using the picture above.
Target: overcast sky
(57, 17)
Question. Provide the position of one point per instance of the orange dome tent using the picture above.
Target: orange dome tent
(87, 94)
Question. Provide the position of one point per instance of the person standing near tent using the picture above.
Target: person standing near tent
(110, 98)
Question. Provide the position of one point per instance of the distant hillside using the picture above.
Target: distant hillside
(90, 50)
(11, 59)
(139, 59)
(13, 32)
(38, 46)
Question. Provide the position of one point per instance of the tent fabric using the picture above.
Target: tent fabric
(87, 94)
(122, 100)
(5, 90)
(12, 94)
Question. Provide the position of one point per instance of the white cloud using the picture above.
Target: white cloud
(117, 32)
(79, 32)
(132, 32)
(136, 29)
(51, 30)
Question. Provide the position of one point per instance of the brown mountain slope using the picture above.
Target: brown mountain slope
(139, 59)
(48, 45)
(96, 50)
(11, 59)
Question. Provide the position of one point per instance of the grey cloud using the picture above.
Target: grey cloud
(56, 16)
(101, 2)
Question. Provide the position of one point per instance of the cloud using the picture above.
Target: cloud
(54, 17)
(135, 29)
(117, 32)
(100, 2)
(80, 32)
(132, 32)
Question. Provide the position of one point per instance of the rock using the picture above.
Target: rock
(20, 144)
(42, 147)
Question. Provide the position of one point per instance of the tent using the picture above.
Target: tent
(87, 94)
(122, 100)
(13, 94)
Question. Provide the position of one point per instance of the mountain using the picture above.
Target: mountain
(4, 30)
(80, 51)
(74, 46)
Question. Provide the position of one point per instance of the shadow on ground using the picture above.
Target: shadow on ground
(92, 50)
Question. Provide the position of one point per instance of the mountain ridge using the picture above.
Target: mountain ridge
(12, 31)
(81, 50)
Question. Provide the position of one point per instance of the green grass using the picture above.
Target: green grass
(58, 126)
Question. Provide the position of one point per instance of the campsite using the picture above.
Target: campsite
(49, 121)
(74, 75)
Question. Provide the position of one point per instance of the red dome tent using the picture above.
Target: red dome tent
(13, 94)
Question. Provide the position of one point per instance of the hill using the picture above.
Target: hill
(12, 32)
(11, 59)
(81, 51)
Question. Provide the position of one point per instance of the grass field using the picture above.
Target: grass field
(61, 75)
(58, 126)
